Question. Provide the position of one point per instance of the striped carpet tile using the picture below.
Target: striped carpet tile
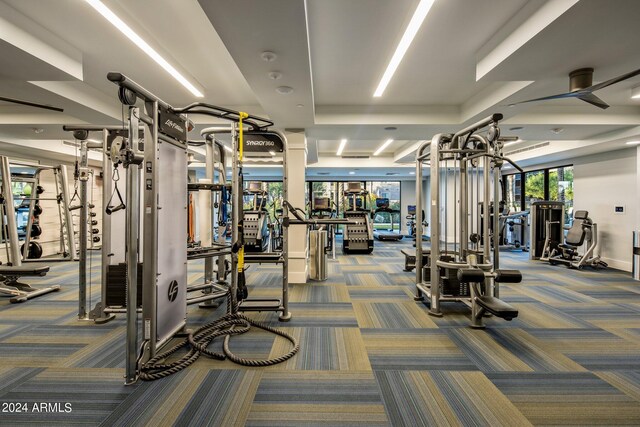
(393, 315)
(538, 315)
(92, 395)
(626, 381)
(378, 293)
(319, 293)
(576, 398)
(440, 398)
(487, 354)
(540, 356)
(328, 349)
(318, 398)
(414, 350)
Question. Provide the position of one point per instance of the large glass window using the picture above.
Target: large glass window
(377, 189)
(534, 188)
(556, 184)
(385, 190)
(513, 196)
(561, 188)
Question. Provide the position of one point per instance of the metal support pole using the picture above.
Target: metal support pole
(285, 316)
(131, 251)
(496, 219)
(464, 209)
(236, 207)
(67, 213)
(132, 230)
(434, 309)
(14, 241)
(82, 232)
(418, 235)
(107, 188)
(486, 239)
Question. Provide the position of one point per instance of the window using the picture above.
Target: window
(385, 190)
(377, 189)
(545, 184)
(561, 188)
(513, 196)
(534, 187)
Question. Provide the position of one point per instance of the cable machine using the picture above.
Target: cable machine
(465, 178)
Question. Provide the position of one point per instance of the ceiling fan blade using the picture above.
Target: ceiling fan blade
(31, 104)
(545, 98)
(593, 100)
(612, 81)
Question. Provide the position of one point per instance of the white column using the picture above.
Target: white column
(296, 181)
(637, 216)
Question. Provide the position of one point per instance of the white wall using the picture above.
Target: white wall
(602, 181)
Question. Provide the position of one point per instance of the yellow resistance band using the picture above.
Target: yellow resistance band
(242, 115)
(241, 259)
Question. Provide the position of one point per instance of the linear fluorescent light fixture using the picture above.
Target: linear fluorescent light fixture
(143, 45)
(412, 29)
(513, 142)
(343, 143)
(383, 146)
(635, 92)
(633, 143)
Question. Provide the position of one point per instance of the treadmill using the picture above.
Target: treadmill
(321, 208)
(382, 206)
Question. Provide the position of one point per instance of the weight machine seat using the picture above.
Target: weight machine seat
(23, 270)
(497, 307)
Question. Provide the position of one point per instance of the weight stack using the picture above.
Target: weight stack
(116, 291)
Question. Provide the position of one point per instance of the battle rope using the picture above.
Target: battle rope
(199, 340)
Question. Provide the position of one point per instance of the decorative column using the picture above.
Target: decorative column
(298, 236)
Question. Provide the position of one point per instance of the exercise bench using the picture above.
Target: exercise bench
(21, 292)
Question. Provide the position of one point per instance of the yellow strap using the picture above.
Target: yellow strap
(241, 259)
(242, 115)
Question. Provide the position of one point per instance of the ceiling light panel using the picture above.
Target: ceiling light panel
(143, 45)
(412, 29)
(343, 143)
(383, 146)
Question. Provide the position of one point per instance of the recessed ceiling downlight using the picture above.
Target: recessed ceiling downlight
(516, 128)
(284, 90)
(391, 128)
(268, 56)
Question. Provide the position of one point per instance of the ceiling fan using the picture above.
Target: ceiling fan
(581, 86)
(31, 104)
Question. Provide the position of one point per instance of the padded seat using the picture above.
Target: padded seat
(23, 270)
(497, 307)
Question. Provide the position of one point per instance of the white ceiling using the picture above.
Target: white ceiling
(332, 53)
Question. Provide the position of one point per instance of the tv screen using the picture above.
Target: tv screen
(322, 203)
(382, 202)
